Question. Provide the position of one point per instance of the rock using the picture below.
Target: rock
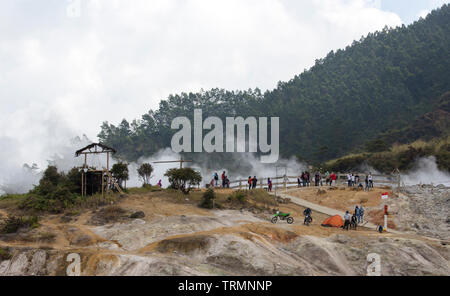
(66, 219)
(38, 263)
(340, 238)
(83, 240)
(138, 214)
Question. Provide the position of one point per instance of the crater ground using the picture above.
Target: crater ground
(176, 237)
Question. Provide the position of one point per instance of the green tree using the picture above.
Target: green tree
(183, 179)
(120, 172)
(145, 173)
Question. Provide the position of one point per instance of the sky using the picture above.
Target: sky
(68, 65)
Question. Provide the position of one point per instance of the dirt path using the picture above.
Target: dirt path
(322, 209)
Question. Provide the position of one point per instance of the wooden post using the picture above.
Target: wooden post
(240, 184)
(82, 182)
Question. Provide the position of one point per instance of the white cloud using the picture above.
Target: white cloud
(63, 76)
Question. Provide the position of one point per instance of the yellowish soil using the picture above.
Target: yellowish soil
(343, 198)
(153, 205)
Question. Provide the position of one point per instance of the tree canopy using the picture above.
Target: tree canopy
(380, 83)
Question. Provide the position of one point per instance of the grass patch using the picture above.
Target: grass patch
(398, 156)
(4, 254)
(108, 215)
(12, 224)
(143, 189)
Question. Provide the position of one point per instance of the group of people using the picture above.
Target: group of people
(224, 178)
(353, 180)
(252, 182)
(352, 221)
(304, 179)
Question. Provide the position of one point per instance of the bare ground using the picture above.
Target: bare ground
(179, 238)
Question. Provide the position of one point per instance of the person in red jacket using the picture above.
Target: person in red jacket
(332, 179)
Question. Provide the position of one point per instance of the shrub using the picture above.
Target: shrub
(443, 157)
(208, 199)
(4, 254)
(13, 224)
(238, 196)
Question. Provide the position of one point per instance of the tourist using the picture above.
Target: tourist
(223, 179)
(249, 182)
(370, 180)
(316, 178)
(347, 218)
(361, 215)
(367, 188)
(216, 179)
(254, 182)
(269, 184)
(332, 179)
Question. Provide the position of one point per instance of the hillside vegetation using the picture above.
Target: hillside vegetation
(401, 156)
(381, 86)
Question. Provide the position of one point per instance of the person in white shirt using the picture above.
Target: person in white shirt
(370, 180)
(347, 218)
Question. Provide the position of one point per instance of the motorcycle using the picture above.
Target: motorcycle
(282, 216)
(308, 220)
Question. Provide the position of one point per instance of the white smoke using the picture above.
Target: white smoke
(15, 178)
(22, 179)
(425, 171)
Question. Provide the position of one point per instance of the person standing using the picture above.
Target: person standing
(316, 178)
(269, 184)
(353, 180)
(361, 215)
(367, 188)
(254, 182)
(216, 179)
(347, 218)
(223, 179)
(349, 180)
(370, 180)
(357, 212)
(332, 179)
(249, 182)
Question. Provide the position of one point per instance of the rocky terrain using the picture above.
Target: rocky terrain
(425, 210)
(174, 238)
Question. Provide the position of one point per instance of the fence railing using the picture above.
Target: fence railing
(392, 180)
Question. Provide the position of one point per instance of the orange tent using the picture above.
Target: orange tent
(334, 221)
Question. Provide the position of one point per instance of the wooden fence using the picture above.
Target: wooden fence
(285, 182)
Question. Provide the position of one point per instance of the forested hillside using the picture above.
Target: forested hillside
(383, 83)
